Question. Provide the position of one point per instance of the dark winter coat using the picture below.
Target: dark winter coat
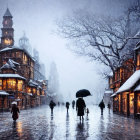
(15, 111)
(80, 107)
(102, 105)
(52, 104)
(67, 105)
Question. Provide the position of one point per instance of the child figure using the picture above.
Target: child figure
(87, 111)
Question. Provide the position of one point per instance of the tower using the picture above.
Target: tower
(7, 39)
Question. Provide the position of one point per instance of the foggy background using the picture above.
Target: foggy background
(37, 18)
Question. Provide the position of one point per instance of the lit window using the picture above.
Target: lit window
(4, 84)
(0, 84)
(29, 90)
(7, 41)
(20, 85)
(11, 83)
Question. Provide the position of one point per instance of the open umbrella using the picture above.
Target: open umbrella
(82, 93)
(14, 103)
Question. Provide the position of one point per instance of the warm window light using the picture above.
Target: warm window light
(8, 41)
(20, 85)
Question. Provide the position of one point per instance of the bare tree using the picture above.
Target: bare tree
(105, 39)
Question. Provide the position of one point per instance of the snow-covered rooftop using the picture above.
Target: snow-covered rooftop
(111, 74)
(3, 93)
(130, 82)
(108, 91)
(33, 83)
(137, 88)
(11, 76)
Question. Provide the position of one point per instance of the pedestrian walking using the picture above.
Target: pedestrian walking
(87, 111)
(15, 112)
(67, 106)
(109, 106)
(73, 104)
(102, 106)
(52, 105)
(80, 107)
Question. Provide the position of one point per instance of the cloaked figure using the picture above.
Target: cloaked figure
(73, 104)
(109, 106)
(87, 111)
(102, 106)
(15, 112)
(67, 106)
(52, 105)
(80, 107)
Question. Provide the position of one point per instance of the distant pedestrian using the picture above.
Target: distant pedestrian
(80, 107)
(52, 105)
(87, 111)
(73, 104)
(15, 112)
(67, 106)
(109, 106)
(58, 103)
(102, 106)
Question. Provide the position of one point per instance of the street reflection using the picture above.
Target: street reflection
(67, 125)
(51, 127)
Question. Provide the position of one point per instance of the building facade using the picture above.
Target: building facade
(126, 86)
(17, 72)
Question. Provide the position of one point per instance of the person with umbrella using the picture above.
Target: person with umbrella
(102, 106)
(80, 103)
(15, 111)
(52, 105)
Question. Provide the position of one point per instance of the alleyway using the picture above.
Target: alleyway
(39, 124)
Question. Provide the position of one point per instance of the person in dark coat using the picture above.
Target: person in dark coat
(102, 106)
(73, 104)
(52, 105)
(15, 112)
(109, 106)
(67, 106)
(80, 107)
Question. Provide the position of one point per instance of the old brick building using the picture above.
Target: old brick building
(18, 71)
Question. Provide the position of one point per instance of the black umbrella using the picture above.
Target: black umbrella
(82, 93)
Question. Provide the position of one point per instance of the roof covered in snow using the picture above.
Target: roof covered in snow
(32, 83)
(3, 93)
(108, 91)
(16, 48)
(11, 76)
(137, 88)
(130, 82)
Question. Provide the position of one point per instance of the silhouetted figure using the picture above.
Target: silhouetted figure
(87, 111)
(58, 103)
(67, 106)
(73, 104)
(15, 112)
(109, 106)
(52, 105)
(102, 106)
(80, 107)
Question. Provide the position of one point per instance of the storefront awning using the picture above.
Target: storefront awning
(3, 93)
(130, 82)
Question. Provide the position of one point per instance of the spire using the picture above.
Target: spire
(7, 13)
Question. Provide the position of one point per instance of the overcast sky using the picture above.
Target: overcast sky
(37, 19)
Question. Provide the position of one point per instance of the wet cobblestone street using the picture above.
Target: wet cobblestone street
(39, 124)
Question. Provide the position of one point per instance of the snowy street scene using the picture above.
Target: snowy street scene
(69, 69)
(40, 124)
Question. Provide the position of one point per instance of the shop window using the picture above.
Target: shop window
(0, 84)
(131, 103)
(18, 54)
(4, 84)
(138, 60)
(34, 90)
(138, 104)
(29, 90)
(11, 83)
(20, 85)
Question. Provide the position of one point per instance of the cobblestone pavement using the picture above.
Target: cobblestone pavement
(39, 124)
